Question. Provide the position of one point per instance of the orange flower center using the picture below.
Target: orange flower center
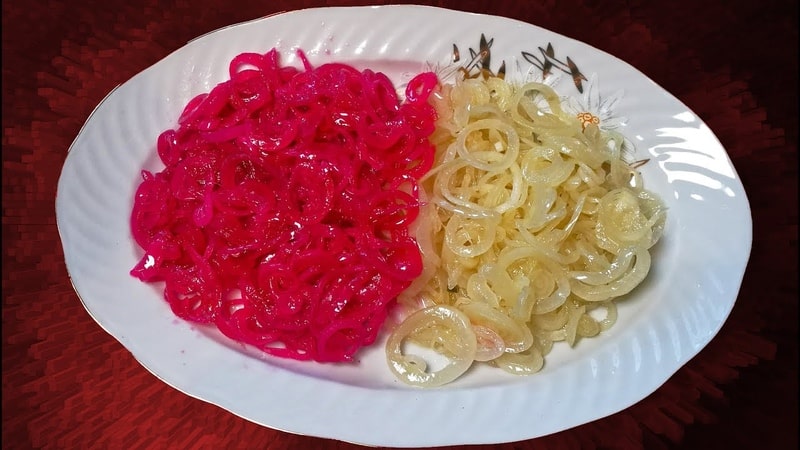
(586, 118)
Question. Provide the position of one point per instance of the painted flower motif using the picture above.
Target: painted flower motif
(445, 72)
(591, 108)
(479, 63)
(535, 75)
(546, 67)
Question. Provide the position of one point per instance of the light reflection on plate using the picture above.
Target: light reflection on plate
(697, 267)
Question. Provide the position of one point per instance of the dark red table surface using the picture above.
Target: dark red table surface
(68, 384)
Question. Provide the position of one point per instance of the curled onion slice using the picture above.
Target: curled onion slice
(413, 369)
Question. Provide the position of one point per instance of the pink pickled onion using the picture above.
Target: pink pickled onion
(282, 213)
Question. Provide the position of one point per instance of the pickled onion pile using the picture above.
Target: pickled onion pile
(282, 213)
(534, 226)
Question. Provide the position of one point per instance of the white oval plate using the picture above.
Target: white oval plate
(696, 275)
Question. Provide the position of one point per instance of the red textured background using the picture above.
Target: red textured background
(68, 384)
